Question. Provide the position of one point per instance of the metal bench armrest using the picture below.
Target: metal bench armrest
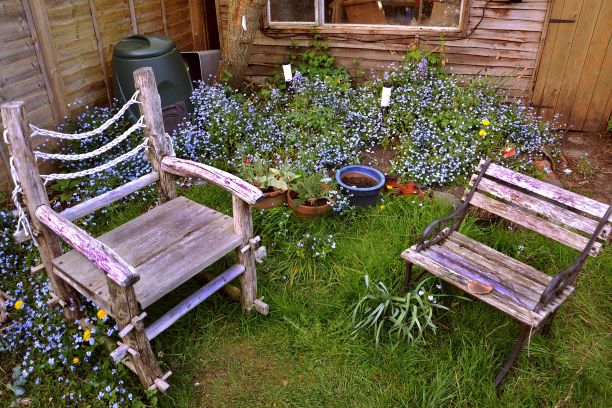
(568, 276)
(434, 232)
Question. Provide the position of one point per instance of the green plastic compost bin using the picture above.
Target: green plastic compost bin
(173, 83)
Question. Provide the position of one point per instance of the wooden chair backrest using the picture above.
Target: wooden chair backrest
(562, 215)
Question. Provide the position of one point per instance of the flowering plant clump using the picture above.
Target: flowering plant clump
(315, 246)
(444, 126)
(318, 123)
(44, 350)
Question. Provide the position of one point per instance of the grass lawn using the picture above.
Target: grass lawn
(303, 355)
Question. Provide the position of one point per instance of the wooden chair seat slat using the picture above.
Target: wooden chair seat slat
(505, 274)
(512, 291)
(496, 257)
(167, 246)
(565, 197)
(527, 220)
(553, 213)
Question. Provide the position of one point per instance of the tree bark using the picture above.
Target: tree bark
(237, 47)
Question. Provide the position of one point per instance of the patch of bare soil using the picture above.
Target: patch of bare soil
(585, 166)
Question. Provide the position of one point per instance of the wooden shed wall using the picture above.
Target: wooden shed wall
(505, 43)
(56, 54)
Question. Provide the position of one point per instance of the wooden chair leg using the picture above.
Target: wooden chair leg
(407, 278)
(518, 347)
(125, 308)
(545, 330)
(243, 226)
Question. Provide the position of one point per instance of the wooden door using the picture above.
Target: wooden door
(574, 78)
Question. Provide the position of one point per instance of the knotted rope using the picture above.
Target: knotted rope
(75, 157)
(22, 218)
(79, 136)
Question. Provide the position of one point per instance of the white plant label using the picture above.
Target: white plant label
(287, 72)
(385, 99)
(244, 23)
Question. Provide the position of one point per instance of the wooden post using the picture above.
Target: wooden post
(159, 143)
(125, 307)
(198, 32)
(44, 37)
(243, 226)
(15, 120)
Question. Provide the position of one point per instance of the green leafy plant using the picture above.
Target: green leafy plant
(316, 61)
(312, 190)
(259, 173)
(397, 318)
(65, 189)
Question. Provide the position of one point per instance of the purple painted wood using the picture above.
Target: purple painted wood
(523, 295)
(573, 200)
(235, 185)
(101, 255)
(453, 261)
(171, 316)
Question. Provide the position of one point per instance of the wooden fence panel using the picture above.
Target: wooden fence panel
(574, 80)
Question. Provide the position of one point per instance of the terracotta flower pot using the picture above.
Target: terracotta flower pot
(271, 199)
(307, 212)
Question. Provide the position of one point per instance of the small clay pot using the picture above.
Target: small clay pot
(274, 198)
(307, 212)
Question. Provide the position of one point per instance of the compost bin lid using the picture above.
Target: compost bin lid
(143, 46)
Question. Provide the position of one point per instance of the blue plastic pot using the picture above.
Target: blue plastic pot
(361, 196)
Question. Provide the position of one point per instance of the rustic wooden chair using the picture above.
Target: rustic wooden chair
(524, 293)
(133, 266)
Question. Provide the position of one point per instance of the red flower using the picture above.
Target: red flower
(247, 160)
(509, 152)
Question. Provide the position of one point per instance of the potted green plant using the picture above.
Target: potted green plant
(273, 182)
(310, 197)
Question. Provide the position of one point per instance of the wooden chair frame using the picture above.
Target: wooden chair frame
(49, 227)
(529, 203)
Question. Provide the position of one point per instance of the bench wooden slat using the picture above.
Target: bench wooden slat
(450, 274)
(503, 260)
(533, 289)
(573, 200)
(534, 223)
(554, 213)
(508, 288)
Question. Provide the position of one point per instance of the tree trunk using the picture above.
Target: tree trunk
(237, 45)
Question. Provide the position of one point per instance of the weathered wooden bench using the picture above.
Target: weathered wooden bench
(524, 293)
(135, 265)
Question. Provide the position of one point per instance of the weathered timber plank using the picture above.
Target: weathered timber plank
(101, 255)
(236, 186)
(554, 213)
(171, 316)
(533, 223)
(555, 193)
(89, 206)
(494, 267)
(494, 299)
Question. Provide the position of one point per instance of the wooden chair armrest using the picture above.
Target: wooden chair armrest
(104, 257)
(235, 185)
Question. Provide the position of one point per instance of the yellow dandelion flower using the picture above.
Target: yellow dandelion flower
(482, 132)
(87, 335)
(75, 360)
(389, 187)
(382, 207)
(101, 314)
(486, 122)
(18, 304)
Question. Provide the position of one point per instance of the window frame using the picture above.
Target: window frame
(375, 29)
